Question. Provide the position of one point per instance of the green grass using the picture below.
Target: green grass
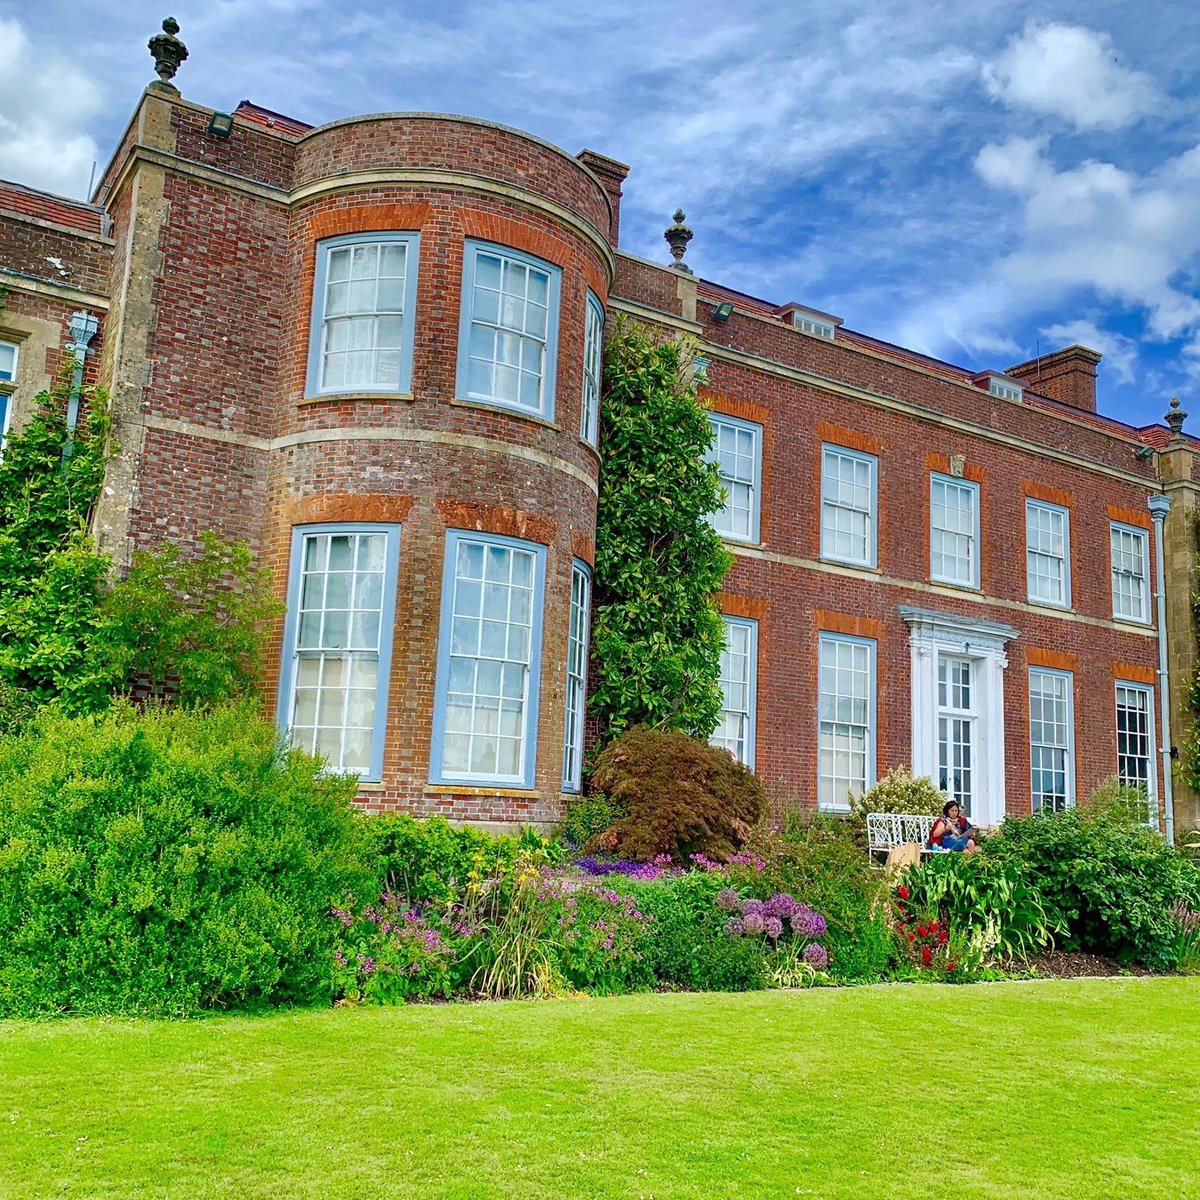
(1050, 1089)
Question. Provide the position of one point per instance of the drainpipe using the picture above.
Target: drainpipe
(83, 326)
(1160, 505)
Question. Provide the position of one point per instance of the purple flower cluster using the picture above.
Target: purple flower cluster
(771, 918)
(634, 870)
(816, 956)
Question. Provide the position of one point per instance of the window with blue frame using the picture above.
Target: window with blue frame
(577, 649)
(364, 302)
(489, 657)
(593, 371)
(337, 643)
(508, 335)
(737, 451)
(739, 679)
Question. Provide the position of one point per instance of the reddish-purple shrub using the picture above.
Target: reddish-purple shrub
(678, 796)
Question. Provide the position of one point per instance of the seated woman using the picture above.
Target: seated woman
(952, 831)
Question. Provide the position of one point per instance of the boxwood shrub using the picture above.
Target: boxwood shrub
(168, 861)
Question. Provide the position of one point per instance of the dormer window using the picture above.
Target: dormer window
(1005, 389)
(810, 321)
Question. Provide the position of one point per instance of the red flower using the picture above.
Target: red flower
(902, 892)
(949, 966)
(923, 930)
(926, 955)
(933, 925)
(912, 937)
(942, 936)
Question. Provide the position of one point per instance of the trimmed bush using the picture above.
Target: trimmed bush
(679, 797)
(166, 862)
(429, 860)
(1110, 881)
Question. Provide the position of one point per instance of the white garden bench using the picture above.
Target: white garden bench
(887, 831)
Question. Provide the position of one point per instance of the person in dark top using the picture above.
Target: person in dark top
(952, 831)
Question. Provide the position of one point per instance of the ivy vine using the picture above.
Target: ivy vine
(657, 633)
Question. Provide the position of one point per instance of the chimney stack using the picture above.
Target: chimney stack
(611, 175)
(1068, 376)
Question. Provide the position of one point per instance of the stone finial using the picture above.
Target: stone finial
(1176, 417)
(678, 237)
(168, 51)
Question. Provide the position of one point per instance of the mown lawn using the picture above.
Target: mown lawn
(1050, 1089)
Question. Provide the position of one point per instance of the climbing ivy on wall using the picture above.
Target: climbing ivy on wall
(657, 633)
(187, 628)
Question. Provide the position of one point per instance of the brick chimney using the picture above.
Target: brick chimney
(611, 175)
(1068, 376)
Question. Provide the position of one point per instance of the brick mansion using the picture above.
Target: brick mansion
(372, 350)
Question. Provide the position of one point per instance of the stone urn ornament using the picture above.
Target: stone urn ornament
(168, 51)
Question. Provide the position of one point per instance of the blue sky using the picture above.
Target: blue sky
(977, 181)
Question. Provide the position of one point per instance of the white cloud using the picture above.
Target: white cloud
(45, 101)
(1096, 226)
(1120, 352)
(1070, 72)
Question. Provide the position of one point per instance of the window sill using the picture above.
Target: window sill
(1133, 622)
(1049, 605)
(959, 587)
(464, 789)
(867, 569)
(371, 785)
(338, 397)
(590, 448)
(521, 413)
(756, 543)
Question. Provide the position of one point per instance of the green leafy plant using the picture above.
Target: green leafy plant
(657, 635)
(678, 796)
(1109, 882)
(168, 861)
(988, 899)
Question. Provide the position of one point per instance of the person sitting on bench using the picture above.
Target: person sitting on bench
(952, 831)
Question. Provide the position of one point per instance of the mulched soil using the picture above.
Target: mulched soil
(1059, 964)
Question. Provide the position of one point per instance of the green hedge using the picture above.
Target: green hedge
(167, 862)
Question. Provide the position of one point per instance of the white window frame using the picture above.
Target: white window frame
(1035, 507)
(830, 727)
(870, 558)
(1143, 536)
(721, 520)
(544, 407)
(320, 322)
(1037, 798)
(725, 735)
(578, 632)
(963, 487)
(1004, 389)
(293, 652)
(523, 778)
(1147, 693)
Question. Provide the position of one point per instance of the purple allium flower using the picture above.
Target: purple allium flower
(734, 927)
(807, 924)
(754, 922)
(727, 899)
(753, 906)
(782, 904)
(773, 928)
(816, 956)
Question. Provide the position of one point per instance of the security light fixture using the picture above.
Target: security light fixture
(723, 311)
(220, 124)
(1143, 452)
